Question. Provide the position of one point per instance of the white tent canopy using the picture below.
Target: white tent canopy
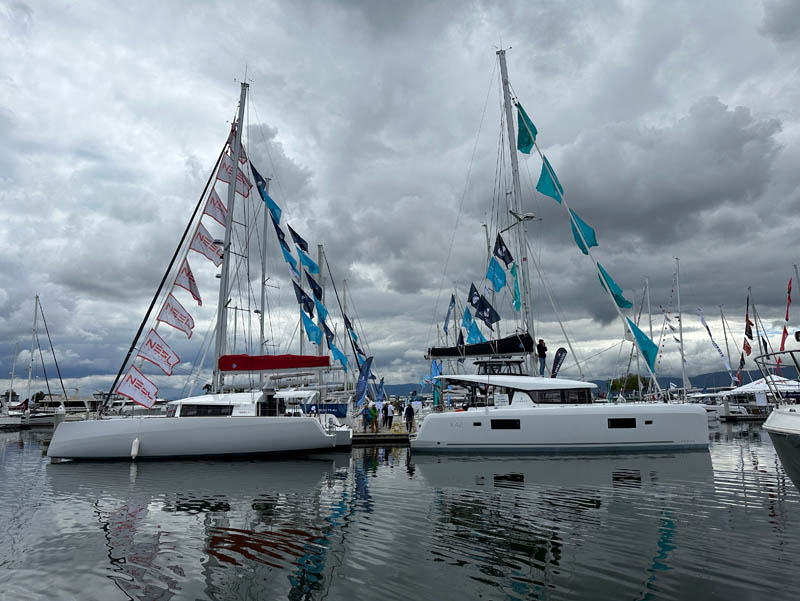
(762, 386)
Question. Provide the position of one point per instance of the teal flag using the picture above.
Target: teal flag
(466, 321)
(312, 331)
(546, 185)
(516, 302)
(586, 230)
(272, 206)
(648, 347)
(526, 131)
(339, 356)
(475, 335)
(496, 275)
(616, 291)
(287, 256)
(306, 261)
(321, 310)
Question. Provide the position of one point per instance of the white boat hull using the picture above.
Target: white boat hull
(168, 437)
(565, 428)
(783, 425)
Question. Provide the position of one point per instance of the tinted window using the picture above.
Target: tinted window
(550, 396)
(505, 424)
(622, 422)
(205, 410)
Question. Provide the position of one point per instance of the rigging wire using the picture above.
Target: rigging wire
(52, 350)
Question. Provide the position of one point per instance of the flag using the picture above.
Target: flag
(501, 251)
(158, 352)
(287, 256)
(609, 284)
(647, 347)
(449, 311)
(379, 396)
(783, 338)
(261, 183)
(303, 299)
(713, 342)
(474, 296)
(306, 261)
(585, 229)
(516, 301)
(138, 388)
(338, 355)
(788, 299)
(748, 328)
(173, 314)
(546, 185)
(486, 313)
(747, 348)
(315, 288)
(558, 360)
(436, 369)
(215, 208)
(321, 310)
(526, 131)
(185, 279)
(297, 238)
(496, 275)
(475, 335)
(460, 338)
(280, 234)
(672, 385)
(203, 243)
(329, 336)
(293, 273)
(232, 140)
(466, 321)
(363, 379)
(312, 331)
(225, 174)
(676, 340)
(764, 343)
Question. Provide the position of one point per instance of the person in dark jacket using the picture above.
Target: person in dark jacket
(541, 352)
(408, 415)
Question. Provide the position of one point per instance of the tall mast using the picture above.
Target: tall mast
(320, 379)
(222, 307)
(680, 325)
(649, 313)
(263, 346)
(33, 346)
(11, 387)
(346, 333)
(523, 237)
(725, 333)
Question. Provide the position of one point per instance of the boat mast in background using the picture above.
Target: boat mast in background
(680, 326)
(263, 345)
(222, 306)
(33, 345)
(11, 386)
(522, 234)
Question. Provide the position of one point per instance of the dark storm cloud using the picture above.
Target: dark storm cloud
(781, 21)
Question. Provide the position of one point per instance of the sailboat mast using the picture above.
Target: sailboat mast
(320, 351)
(263, 345)
(11, 386)
(725, 333)
(521, 237)
(33, 346)
(222, 310)
(680, 325)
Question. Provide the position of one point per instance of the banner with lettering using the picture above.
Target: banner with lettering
(215, 208)
(158, 352)
(185, 280)
(225, 174)
(173, 314)
(138, 388)
(204, 244)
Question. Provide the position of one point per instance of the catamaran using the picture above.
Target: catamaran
(225, 422)
(508, 410)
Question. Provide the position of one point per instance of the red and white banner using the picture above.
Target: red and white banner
(215, 208)
(225, 174)
(204, 244)
(231, 140)
(186, 281)
(138, 388)
(156, 351)
(173, 313)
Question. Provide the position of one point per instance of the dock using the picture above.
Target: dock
(381, 439)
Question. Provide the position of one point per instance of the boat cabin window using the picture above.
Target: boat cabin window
(494, 368)
(171, 410)
(268, 405)
(570, 396)
(205, 410)
(621, 422)
(505, 424)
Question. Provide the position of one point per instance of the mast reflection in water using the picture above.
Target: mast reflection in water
(381, 522)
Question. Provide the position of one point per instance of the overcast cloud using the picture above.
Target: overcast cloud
(674, 128)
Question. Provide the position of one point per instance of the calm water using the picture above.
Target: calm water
(382, 523)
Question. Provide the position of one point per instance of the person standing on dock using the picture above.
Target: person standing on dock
(541, 352)
(408, 414)
(365, 417)
(373, 416)
(384, 414)
(389, 415)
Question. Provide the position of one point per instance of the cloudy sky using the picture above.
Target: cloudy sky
(674, 128)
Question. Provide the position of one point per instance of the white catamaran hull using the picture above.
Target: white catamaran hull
(783, 426)
(166, 437)
(565, 428)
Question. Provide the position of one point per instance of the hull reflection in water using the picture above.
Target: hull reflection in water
(254, 516)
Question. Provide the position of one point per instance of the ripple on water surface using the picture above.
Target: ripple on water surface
(714, 525)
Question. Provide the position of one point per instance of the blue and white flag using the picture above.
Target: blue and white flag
(303, 299)
(280, 234)
(297, 238)
(501, 251)
(475, 335)
(261, 184)
(307, 262)
(287, 256)
(379, 396)
(315, 287)
(466, 321)
(312, 331)
(338, 355)
(363, 380)
(496, 275)
(486, 313)
(321, 310)
(449, 311)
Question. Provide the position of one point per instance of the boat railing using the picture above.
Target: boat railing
(773, 361)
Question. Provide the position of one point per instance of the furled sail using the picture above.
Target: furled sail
(509, 345)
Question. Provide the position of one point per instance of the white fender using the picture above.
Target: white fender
(135, 448)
